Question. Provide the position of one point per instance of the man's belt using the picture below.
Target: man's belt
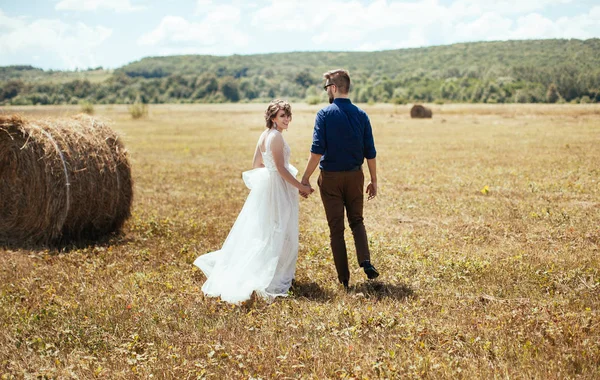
(352, 169)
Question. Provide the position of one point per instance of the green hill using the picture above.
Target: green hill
(511, 71)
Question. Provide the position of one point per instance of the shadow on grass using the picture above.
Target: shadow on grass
(106, 241)
(310, 290)
(67, 245)
(380, 290)
(369, 289)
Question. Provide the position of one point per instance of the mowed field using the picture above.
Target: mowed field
(486, 232)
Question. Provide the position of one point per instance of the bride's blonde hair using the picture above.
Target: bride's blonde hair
(273, 108)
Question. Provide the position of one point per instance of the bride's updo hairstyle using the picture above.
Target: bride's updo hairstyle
(273, 108)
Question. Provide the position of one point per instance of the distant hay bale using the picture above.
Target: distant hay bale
(61, 180)
(420, 112)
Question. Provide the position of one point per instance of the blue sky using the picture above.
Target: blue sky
(69, 34)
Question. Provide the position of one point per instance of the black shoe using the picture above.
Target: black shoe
(370, 270)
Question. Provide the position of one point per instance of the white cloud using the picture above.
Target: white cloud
(349, 15)
(332, 22)
(177, 29)
(489, 26)
(94, 5)
(380, 14)
(379, 45)
(223, 14)
(204, 7)
(73, 44)
(202, 4)
(355, 25)
(286, 15)
(492, 26)
(534, 26)
(8, 23)
(259, 26)
(218, 29)
(466, 8)
(582, 26)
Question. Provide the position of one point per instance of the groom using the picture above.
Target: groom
(342, 139)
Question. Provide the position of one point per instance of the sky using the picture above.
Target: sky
(70, 34)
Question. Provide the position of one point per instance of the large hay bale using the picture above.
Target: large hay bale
(61, 180)
(420, 112)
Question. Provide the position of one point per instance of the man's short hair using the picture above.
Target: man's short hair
(340, 78)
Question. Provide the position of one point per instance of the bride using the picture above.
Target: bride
(260, 252)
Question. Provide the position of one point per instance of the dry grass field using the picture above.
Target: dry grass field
(486, 231)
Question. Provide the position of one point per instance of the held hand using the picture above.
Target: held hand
(305, 190)
(372, 190)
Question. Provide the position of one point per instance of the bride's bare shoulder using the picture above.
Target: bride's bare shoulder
(262, 136)
(262, 139)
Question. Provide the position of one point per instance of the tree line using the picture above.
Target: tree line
(538, 71)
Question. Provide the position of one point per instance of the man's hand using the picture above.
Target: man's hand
(305, 194)
(372, 190)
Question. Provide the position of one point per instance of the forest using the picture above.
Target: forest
(531, 71)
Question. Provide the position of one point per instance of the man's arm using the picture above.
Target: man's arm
(311, 165)
(372, 186)
(370, 154)
(317, 149)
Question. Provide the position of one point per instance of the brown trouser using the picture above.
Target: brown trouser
(341, 190)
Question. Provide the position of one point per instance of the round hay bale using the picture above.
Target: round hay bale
(61, 180)
(420, 112)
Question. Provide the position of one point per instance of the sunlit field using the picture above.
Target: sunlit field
(486, 232)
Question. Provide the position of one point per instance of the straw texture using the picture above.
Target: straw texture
(61, 180)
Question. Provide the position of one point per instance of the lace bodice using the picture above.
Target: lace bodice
(267, 155)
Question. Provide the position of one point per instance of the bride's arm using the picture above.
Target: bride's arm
(277, 150)
(257, 161)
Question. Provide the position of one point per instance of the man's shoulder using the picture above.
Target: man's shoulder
(358, 109)
(329, 109)
(361, 112)
(327, 112)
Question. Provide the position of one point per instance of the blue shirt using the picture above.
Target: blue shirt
(343, 135)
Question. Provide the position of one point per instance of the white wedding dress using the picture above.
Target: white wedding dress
(261, 249)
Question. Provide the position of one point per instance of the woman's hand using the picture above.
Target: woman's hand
(305, 190)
